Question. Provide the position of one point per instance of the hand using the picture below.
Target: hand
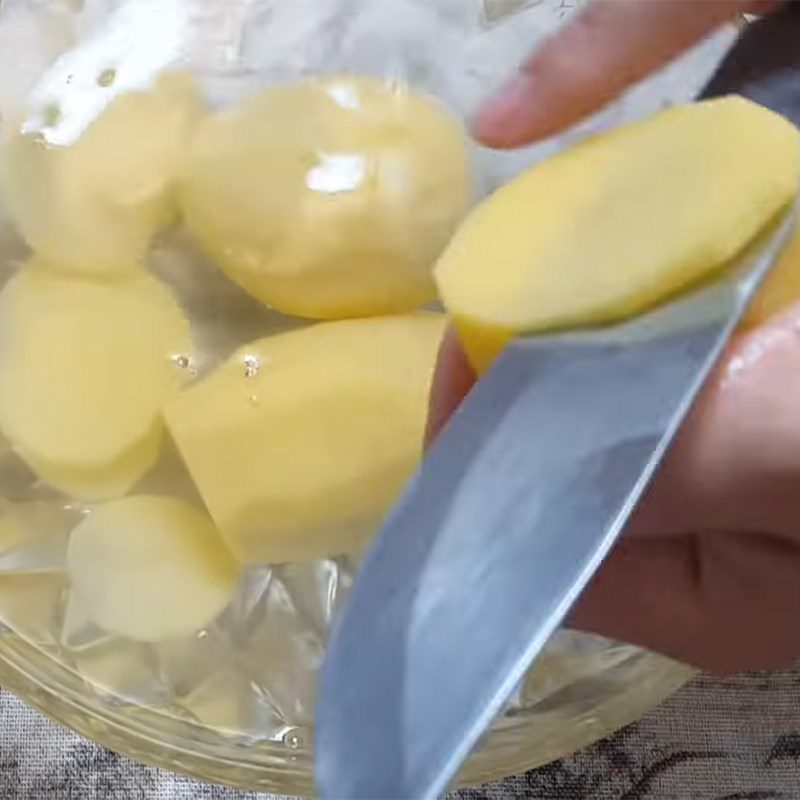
(709, 568)
(609, 46)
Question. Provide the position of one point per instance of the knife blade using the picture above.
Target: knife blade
(494, 539)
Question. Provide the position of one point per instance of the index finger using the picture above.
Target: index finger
(608, 47)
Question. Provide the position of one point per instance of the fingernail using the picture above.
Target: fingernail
(502, 119)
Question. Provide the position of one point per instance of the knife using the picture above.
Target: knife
(517, 504)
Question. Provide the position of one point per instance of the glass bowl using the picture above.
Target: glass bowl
(196, 705)
(233, 703)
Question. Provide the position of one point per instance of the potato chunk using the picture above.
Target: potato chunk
(150, 568)
(301, 441)
(329, 198)
(85, 368)
(105, 482)
(92, 206)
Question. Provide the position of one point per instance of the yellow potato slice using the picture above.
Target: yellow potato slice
(92, 206)
(330, 198)
(301, 441)
(150, 568)
(85, 368)
(618, 223)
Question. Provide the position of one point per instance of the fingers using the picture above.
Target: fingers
(453, 379)
(723, 602)
(719, 600)
(735, 464)
(609, 46)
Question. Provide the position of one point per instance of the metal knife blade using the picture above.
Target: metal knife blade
(511, 513)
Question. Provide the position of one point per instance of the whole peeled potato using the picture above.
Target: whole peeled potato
(92, 207)
(329, 198)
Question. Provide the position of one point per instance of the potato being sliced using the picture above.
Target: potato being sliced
(92, 206)
(85, 368)
(300, 442)
(330, 198)
(618, 223)
(150, 568)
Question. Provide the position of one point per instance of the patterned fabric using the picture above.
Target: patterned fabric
(733, 739)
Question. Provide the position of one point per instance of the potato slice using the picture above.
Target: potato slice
(92, 206)
(85, 368)
(150, 568)
(618, 223)
(301, 441)
(330, 198)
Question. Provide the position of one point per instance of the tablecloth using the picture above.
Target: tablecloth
(718, 739)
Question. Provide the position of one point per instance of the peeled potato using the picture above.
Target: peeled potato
(93, 205)
(301, 441)
(150, 568)
(104, 482)
(618, 223)
(85, 368)
(329, 198)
